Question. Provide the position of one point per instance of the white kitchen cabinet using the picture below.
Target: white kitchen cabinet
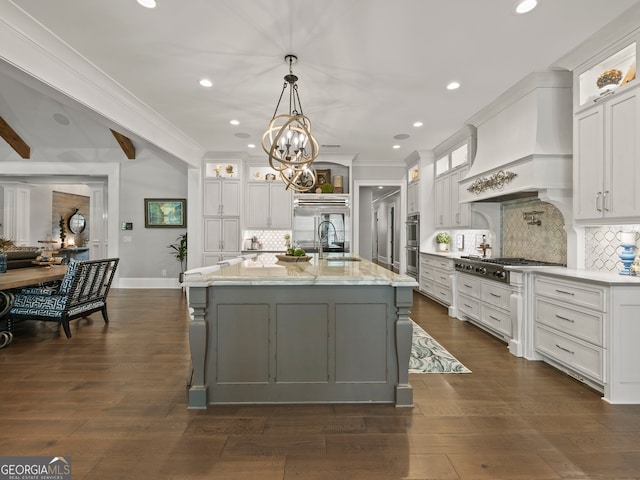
(460, 212)
(221, 207)
(269, 206)
(221, 235)
(590, 330)
(436, 276)
(442, 189)
(570, 327)
(486, 303)
(221, 197)
(607, 159)
(449, 212)
(413, 198)
(454, 157)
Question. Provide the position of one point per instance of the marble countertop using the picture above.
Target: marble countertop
(266, 269)
(593, 276)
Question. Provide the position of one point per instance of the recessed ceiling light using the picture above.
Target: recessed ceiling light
(417, 124)
(453, 86)
(251, 145)
(525, 6)
(234, 122)
(205, 82)
(396, 147)
(380, 188)
(61, 119)
(148, 3)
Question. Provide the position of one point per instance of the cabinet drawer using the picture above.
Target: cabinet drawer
(424, 263)
(428, 273)
(583, 324)
(468, 285)
(497, 319)
(442, 294)
(438, 262)
(426, 285)
(469, 306)
(586, 295)
(441, 277)
(495, 294)
(443, 263)
(573, 353)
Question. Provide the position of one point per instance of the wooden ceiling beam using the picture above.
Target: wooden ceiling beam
(13, 139)
(125, 144)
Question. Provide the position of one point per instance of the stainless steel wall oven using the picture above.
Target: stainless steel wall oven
(413, 245)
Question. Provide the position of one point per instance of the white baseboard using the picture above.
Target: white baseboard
(147, 283)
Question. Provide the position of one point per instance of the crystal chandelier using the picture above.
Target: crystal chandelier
(288, 140)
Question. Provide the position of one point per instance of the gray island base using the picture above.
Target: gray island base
(324, 331)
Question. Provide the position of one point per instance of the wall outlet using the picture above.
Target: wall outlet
(164, 273)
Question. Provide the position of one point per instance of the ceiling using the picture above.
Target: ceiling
(368, 69)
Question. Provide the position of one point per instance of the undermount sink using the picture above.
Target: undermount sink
(343, 259)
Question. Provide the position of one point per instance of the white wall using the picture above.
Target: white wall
(143, 251)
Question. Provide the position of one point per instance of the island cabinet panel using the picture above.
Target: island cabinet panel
(242, 347)
(367, 363)
(304, 343)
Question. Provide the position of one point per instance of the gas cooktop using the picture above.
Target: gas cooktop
(513, 261)
(494, 267)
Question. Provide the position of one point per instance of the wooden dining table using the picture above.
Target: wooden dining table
(23, 277)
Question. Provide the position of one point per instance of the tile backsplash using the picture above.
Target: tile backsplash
(602, 246)
(533, 229)
(271, 240)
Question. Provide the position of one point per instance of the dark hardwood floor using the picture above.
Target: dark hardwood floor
(114, 400)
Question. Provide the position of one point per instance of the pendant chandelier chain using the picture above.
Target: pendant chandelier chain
(288, 140)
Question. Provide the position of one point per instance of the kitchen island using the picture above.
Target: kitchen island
(332, 330)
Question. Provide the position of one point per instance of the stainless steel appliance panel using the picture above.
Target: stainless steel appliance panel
(329, 224)
(413, 260)
(413, 230)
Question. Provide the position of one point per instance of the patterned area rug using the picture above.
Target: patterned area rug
(428, 356)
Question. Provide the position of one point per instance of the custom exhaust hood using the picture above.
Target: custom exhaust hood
(524, 141)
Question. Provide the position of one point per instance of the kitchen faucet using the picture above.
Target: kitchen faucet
(320, 236)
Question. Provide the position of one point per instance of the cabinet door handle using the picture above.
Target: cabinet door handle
(604, 200)
(565, 292)
(457, 218)
(494, 294)
(494, 318)
(468, 306)
(468, 286)
(598, 205)
(565, 349)
(565, 318)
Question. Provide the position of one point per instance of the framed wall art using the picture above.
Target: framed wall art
(323, 176)
(165, 213)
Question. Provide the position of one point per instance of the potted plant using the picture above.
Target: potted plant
(443, 239)
(180, 252)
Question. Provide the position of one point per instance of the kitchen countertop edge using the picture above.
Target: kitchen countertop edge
(592, 276)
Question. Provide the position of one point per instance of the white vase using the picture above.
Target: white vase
(443, 247)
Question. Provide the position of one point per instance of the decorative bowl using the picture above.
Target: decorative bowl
(609, 78)
(293, 258)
